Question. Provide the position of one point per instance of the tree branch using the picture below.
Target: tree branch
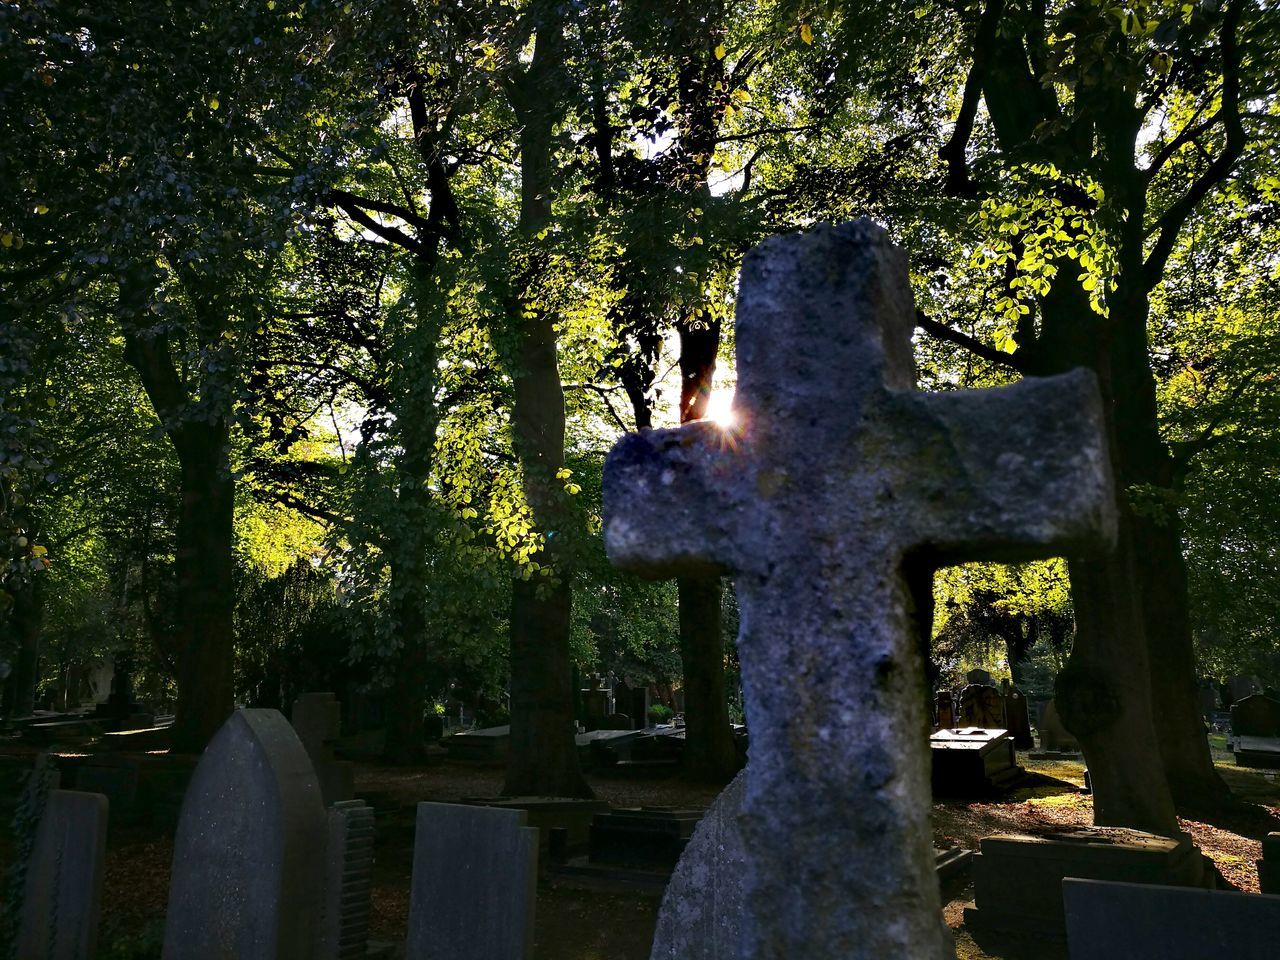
(1170, 223)
(979, 349)
(953, 151)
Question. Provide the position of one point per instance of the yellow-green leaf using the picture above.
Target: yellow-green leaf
(720, 51)
(806, 33)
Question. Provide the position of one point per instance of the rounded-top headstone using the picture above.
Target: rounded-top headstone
(249, 856)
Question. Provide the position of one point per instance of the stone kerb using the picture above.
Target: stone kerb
(249, 856)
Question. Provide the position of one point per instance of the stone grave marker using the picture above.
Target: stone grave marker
(1054, 736)
(1269, 865)
(249, 855)
(317, 719)
(487, 745)
(63, 888)
(344, 923)
(1017, 881)
(1142, 921)
(973, 762)
(981, 705)
(839, 472)
(475, 879)
(1016, 717)
(1255, 731)
(944, 711)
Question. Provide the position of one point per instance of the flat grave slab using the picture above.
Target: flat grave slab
(488, 745)
(1017, 881)
(547, 813)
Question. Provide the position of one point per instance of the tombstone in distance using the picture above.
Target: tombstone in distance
(839, 473)
(249, 855)
(317, 719)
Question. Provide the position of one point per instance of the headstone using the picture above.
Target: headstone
(1017, 718)
(1017, 881)
(944, 711)
(1142, 921)
(973, 762)
(488, 745)
(980, 677)
(344, 924)
(1241, 686)
(982, 706)
(841, 469)
(317, 719)
(1054, 736)
(249, 856)
(475, 875)
(1255, 731)
(1209, 700)
(121, 710)
(1269, 865)
(545, 814)
(644, 838)
(63, 889)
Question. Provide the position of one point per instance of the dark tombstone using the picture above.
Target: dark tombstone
(317, 719)
(1269, 865)
(617, 721)
(1054, 736)
(1017, 881)
(122, 711)
(980, 677)
(596, 702)
(475, 873)
(840, 469)
(1241, 686)
(982, 706)
(546, 814)
(1016, 717)
(1209, 700)
(944, 711)
(632, 702)
(63, 887)
(973, 762)
(645, 838)
(249, 856)
(344, 923)
(484, 746)
(1255, 731)
(1142, 921)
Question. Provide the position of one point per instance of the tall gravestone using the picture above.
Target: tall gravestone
(841, 472)
(249, 856)
(63, 890)
(317, 719)
(475, 879)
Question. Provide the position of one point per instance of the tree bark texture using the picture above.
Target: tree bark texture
(543, 756)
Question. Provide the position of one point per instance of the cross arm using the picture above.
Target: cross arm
(667, 499)
(1026, 467)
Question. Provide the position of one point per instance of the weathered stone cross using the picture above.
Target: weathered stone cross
(840, 472)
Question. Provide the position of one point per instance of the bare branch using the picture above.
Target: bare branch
(979, 349)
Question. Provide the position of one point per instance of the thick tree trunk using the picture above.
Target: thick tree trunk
(1104, 693)
(203, 564)
(543, 758)
(26, 621)
(709, 752)
(404, 742)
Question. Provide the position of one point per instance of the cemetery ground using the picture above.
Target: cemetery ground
(578, 922)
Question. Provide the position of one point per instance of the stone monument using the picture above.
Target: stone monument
(317, 719)
(63, 888)
(249, 856)
(475, 882)
(840, 473)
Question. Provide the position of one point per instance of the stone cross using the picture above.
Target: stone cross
(249, 855)
(840, 476)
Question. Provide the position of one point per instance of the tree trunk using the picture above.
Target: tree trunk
(1104, 693)
(543, 757)
(26, 620)
(205, 597)
(709, 752)
(419, 417)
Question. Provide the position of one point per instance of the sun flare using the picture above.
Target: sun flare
(720, 408)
